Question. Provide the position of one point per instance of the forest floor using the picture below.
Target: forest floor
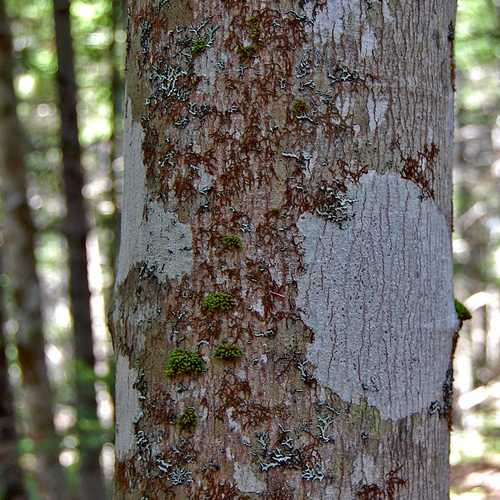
(475, 447)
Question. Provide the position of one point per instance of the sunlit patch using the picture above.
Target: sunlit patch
(68, 457)
(25, 85)
(54, 354)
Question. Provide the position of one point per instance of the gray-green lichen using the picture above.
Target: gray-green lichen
(150, 234)
(378, 296)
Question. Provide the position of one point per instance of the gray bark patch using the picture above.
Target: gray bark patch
(128, 407)
(149, 233)
(378, 296)
(246, 480)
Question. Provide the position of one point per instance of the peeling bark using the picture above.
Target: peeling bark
(319, 133)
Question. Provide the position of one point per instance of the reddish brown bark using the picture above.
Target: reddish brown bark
(319, 134)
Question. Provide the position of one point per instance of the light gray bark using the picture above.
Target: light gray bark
(320, 133)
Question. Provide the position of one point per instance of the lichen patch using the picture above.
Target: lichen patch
(377, 293)
(246, 480)
(128, 407)
(149, 233)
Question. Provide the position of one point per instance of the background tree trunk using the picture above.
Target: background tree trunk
(11, 474)
(76, 231)
(20, 267)
(117, 14)
(287, 197)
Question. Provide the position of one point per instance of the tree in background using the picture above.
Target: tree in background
(284, 309)
(20, 267)
(117, 14)
(76, 232)
(11, 475)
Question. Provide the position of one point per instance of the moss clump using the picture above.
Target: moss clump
(246, 53)
(462, 312)
(219, 301)
(232, 241)
(188, 419)
(227, 352)
(198, 46)
(299, 107)
(184, 362)
(255, 31)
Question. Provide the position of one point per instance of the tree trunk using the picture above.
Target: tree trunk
(11, 475)
(117, 15)
(284, 315)
(20, 266)
(76, 230)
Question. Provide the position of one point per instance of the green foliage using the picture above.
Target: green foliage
(184, 362)
(246, 53)
(232, 241)
(219, 301)
(299, 107)
(477, 51)
(198, 47)
(188, 419)
(462, 312)
(227, 352)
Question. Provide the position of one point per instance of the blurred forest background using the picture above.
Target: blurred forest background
(65, 59)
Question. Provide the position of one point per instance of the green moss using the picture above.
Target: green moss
(246, 52)
(184, 362)
(299, 107)
(198, 47)
(232, 241)
(188, 419)
(219, 301)
(462, 312)
(255, 30)
(227, 351)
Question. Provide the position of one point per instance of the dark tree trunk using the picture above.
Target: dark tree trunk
(76, 231)
(117, 14)
(20, 266)
(11, 475)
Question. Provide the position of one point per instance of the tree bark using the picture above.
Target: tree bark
(284, 316)
(76, 231)
(20, 266)
(11, 475)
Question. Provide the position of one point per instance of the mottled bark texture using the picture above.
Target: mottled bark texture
(76, 231)
(287, 191)
(11, 475)
(20, 267)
